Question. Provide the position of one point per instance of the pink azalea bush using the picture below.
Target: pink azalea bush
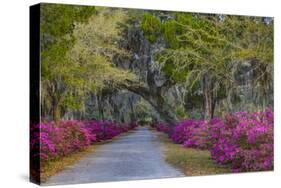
(50, 140)
(105, 130)
(41, 143)
(192, 133)
(241, 140)
(162, 127)
(244, 141)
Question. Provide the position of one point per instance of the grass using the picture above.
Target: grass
(193, 162)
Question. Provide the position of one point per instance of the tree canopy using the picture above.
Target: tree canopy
(79, 58)
(210, 49)
(172, 65)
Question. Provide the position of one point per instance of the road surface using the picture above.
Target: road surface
(136, 155)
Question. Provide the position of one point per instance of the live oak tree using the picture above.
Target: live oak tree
(207, 49)
(56, 27)
(78, 44)
(95, 48)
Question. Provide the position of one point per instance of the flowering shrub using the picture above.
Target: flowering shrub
(102, 129)
(245, 141)
(50, 140)
(192, 133)
(181, 131)
(41, 143)
(162, 127)
(242, 140)
(105, 130)
(72, 136)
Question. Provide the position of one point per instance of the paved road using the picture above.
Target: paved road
(137, 155)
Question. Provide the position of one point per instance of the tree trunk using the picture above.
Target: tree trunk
(208, 94)
(56, 112)
(132, 115)
(100, 107)
(115, 108)
(164, 110)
